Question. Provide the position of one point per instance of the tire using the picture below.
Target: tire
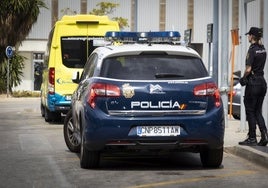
(88, 159)
(48, 115)
(51, 116)
(211, 158)
(42, 108)
(72, 136)
(236, 117)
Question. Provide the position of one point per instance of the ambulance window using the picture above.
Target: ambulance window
(75, 50)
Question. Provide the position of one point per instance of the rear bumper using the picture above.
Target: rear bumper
(58, 103)
(112, 132)
(63, 109)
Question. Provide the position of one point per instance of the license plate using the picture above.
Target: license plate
(158, 130)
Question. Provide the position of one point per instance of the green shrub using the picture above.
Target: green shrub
(16, 66)
(26, 94)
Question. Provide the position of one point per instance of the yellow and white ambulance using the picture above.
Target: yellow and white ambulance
(70, 42)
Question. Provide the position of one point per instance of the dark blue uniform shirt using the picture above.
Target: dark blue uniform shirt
(256, 58)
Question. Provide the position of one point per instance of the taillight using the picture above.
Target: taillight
(208, 89)
(51, 80)
(102, 90)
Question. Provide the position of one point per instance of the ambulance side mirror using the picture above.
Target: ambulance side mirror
(76, 77)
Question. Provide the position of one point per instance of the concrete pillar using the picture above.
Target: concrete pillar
(83, 6)
(54, 12)
(224, 60)
(215, 58)
(265, 42)
(243, 51)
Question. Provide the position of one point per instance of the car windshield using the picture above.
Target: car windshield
(153, 67)
(75, 50)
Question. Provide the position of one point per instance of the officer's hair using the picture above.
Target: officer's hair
(257, 39)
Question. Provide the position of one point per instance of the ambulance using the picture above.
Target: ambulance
(70, 42)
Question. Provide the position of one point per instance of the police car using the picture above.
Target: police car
(145, 92)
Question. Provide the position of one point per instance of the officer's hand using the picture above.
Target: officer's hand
(243, 81)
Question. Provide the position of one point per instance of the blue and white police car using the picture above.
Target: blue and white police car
(145, 91)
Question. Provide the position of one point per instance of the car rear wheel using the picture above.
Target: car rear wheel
(88, 159)
(211, 158)
(72, 136)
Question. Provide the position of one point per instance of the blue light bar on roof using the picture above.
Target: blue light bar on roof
(143, 37)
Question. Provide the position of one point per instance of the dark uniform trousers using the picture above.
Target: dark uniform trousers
(254, 95)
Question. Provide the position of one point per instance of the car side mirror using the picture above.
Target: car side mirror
(76, 77)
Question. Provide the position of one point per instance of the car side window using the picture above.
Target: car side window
(90, 67)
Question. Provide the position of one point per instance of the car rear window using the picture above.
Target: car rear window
(153, 67)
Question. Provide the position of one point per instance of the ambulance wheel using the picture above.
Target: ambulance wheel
(52, 116)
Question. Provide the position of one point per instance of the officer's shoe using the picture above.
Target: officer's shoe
(249, 142)
(264, 139)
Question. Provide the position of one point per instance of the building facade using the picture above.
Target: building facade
(148, 15)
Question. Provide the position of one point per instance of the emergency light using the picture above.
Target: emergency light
(143, 37)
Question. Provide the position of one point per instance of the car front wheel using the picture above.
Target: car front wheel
(211, 158)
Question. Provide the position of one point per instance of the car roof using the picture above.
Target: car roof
(136, 49)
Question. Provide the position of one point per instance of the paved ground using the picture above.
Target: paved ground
(233, 134)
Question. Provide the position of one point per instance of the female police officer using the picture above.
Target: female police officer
(255, 88)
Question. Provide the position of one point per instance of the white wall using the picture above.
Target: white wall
(68, 6)
(148, 15)
(123, 10)
(147, 20)
(27, 79)
(42, 27)
(203, 15)
(26, 49)
(176, 12)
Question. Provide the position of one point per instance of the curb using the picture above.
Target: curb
(249, 153)
(4, 98)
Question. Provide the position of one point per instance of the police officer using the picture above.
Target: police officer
(255, 89)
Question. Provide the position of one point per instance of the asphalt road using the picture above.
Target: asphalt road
(33, 154)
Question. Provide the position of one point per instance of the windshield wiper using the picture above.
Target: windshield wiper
(168, 75)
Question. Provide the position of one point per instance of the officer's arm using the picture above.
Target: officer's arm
(249, 61)
(247, 71)
(243, 81)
